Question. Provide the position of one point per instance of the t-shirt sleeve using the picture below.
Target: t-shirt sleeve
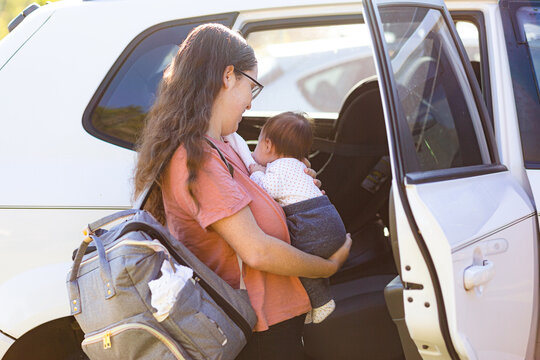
(218, 194)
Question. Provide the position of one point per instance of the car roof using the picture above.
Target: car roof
(212, 6)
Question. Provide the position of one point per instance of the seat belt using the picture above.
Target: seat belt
(333, 147)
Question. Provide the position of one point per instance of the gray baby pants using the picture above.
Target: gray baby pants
(316, 228)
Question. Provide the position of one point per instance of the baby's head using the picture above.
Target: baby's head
(288, 134)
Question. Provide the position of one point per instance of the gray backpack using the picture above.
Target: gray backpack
(111, 300)
(110, 297)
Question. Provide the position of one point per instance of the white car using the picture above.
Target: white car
(435, 174)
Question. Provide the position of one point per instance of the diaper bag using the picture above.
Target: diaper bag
(111, 300)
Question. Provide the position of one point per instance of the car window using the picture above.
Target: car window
(434, 93)
(470, 37)
(468, 33)
(310, 68)
(121, 103)
(528, 94)
(471, 29)
(529, 20)
(124, 105)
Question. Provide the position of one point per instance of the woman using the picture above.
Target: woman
(204, 92)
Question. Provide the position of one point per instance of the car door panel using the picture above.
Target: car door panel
(493, 220)
(459, 214)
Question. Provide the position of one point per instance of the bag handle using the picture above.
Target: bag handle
(104, 270)
(92, 227)
(143, 197)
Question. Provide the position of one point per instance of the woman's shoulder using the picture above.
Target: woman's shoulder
(179, 157)
(180, 152)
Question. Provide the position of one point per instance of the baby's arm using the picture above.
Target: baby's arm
(269, 180)
(242, 149)
(256, 167)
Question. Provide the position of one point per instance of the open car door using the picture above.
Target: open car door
(466, 230)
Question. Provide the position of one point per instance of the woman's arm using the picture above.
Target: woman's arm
(267, 253)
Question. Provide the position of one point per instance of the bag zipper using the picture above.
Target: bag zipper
(224, 342)
(105, 337)
(149, 244)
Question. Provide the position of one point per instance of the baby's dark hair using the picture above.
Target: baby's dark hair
(290, 133)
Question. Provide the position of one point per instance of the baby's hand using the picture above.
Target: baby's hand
(256, 167)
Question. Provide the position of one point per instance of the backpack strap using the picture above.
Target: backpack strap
(229, 166)
(92, 227)
(231, 170)
(143, 197)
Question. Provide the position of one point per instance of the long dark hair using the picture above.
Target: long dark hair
(181, 113)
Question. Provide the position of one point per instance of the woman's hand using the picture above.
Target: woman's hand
(308, 170)
(339, 257)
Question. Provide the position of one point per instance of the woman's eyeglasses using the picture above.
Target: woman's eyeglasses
(257, 88)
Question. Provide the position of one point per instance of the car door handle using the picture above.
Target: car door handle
(477, 275)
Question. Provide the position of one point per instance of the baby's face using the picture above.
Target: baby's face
(264, 152)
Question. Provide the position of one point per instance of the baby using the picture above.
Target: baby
(314, 223)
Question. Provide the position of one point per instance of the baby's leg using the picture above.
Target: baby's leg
(316, 228)
(318, 291)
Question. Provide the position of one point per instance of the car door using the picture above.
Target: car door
(466, 230)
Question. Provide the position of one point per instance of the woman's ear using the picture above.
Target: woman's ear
(229, 78)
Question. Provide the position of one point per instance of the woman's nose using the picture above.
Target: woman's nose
(248, 105)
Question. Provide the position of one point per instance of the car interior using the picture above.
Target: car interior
(356, 146)
(368, 322)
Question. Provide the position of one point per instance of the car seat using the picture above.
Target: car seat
(360, 327)
(356, 176)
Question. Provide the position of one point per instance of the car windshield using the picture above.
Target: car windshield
(529, 21)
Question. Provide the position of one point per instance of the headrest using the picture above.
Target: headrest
(361, 118)
(360, 87)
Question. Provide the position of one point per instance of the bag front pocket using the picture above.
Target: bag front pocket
(201, 326)
(131, 341)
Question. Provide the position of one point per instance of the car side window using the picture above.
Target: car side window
(117, 112)
(435, 95)
(470, 37)
(526, 74)
(310, 68)
(529, 21)
(468, 33)
(471, 29)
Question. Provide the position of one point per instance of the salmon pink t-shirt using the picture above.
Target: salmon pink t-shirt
(275, 298)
